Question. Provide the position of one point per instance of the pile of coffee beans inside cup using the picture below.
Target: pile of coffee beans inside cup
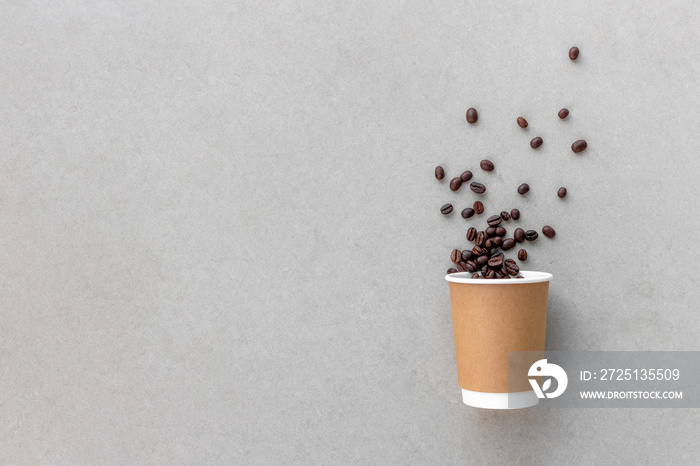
(486, 259)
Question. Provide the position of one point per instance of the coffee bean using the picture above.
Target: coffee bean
(561, 193)
(563, 113)
(497, 241)
(465, 176)
(522, 255)
(476, 275)
(500, 231)
(519, 235)
(471, 266)
(463, 267)
(523, 189)
(489, 244)
(505, 215)
(479, 251)
(490, 274)
(452, 270)
(515, 214)
(500, 254)
(471, 234)
(455, 183)
(531, 235)
(446, 209)
(536, 142)
(478, 207)
(495, 262)
(472, 116)
(439, 172)
(478, 188)
(502, 273)
(522, 122)
(467, 213)
(494, 220)
(481, 260)
(466, 255)
(573, 53)
(511, 267)
(508, 243)
(487, 165)
(548, 231)
(480, 238)
(456, 256)
(579, 146)
(490, 231)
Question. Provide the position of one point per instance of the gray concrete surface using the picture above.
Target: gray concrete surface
(221, 240)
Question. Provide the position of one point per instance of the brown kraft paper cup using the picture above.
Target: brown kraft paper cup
(491, 318)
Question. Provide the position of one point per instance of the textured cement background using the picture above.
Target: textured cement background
(220, 239)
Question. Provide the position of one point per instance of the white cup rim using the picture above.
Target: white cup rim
(530, 277)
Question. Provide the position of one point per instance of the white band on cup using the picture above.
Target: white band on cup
(513, 400)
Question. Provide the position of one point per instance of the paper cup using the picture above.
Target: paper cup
(491, 318)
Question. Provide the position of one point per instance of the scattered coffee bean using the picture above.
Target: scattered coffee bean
(468, 213)
(573, 53)
(497, 241)
(508, 243)
(484, 269)
(456, 256)
(494, 220)
(563, 113)
(471, 234)
(522, 122)
(471, 266)
(478, 188)
(515, 214)
(503, 273)
(446, 209)
(480, 238)
(463, 267)
(536, 142)
(466, 255)
(579, 146)
(478, 207)
(465, 176)
(523, 189)
(519, 235)
(479, 251)
(455, 183)
(439, 172)
(490, 274)
(548, 231)
(476, 275)
(505, 215)
(561, 193)
(481, 260)
(500, 254)
(522, 255)
(490, 231)
(500, 231)
(488, 244)
(452, 270)
(511, 267)
(487, 165)
(472, 116)
(495, 262)
(531, 235)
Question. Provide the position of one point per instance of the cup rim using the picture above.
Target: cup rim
(530, 277)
